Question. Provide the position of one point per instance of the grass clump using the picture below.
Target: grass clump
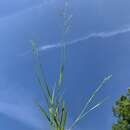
(56, 112)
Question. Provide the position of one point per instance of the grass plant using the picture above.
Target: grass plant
(56, 112)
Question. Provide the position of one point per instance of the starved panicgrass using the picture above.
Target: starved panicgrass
(56, 112)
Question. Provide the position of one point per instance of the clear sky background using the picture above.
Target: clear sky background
(100, 35)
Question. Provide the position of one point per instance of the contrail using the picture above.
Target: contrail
(87, 37)
(101, 35)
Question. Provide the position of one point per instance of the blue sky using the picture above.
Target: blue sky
(98, 45)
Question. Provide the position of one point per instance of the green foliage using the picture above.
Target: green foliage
(121, 110)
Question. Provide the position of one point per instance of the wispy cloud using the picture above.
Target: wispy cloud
(87, 37)
(23, 114)
(18, 104)
(23, 11)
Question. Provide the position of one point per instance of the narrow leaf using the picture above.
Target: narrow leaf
(43, 111)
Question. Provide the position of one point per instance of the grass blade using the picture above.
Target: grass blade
(61, 75)
(91, 109)
(43, 111)
(90, 100)
(95, 92)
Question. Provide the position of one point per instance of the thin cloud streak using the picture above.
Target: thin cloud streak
(38, 6)
(101, 35)
(87, 37)
(23, 114)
